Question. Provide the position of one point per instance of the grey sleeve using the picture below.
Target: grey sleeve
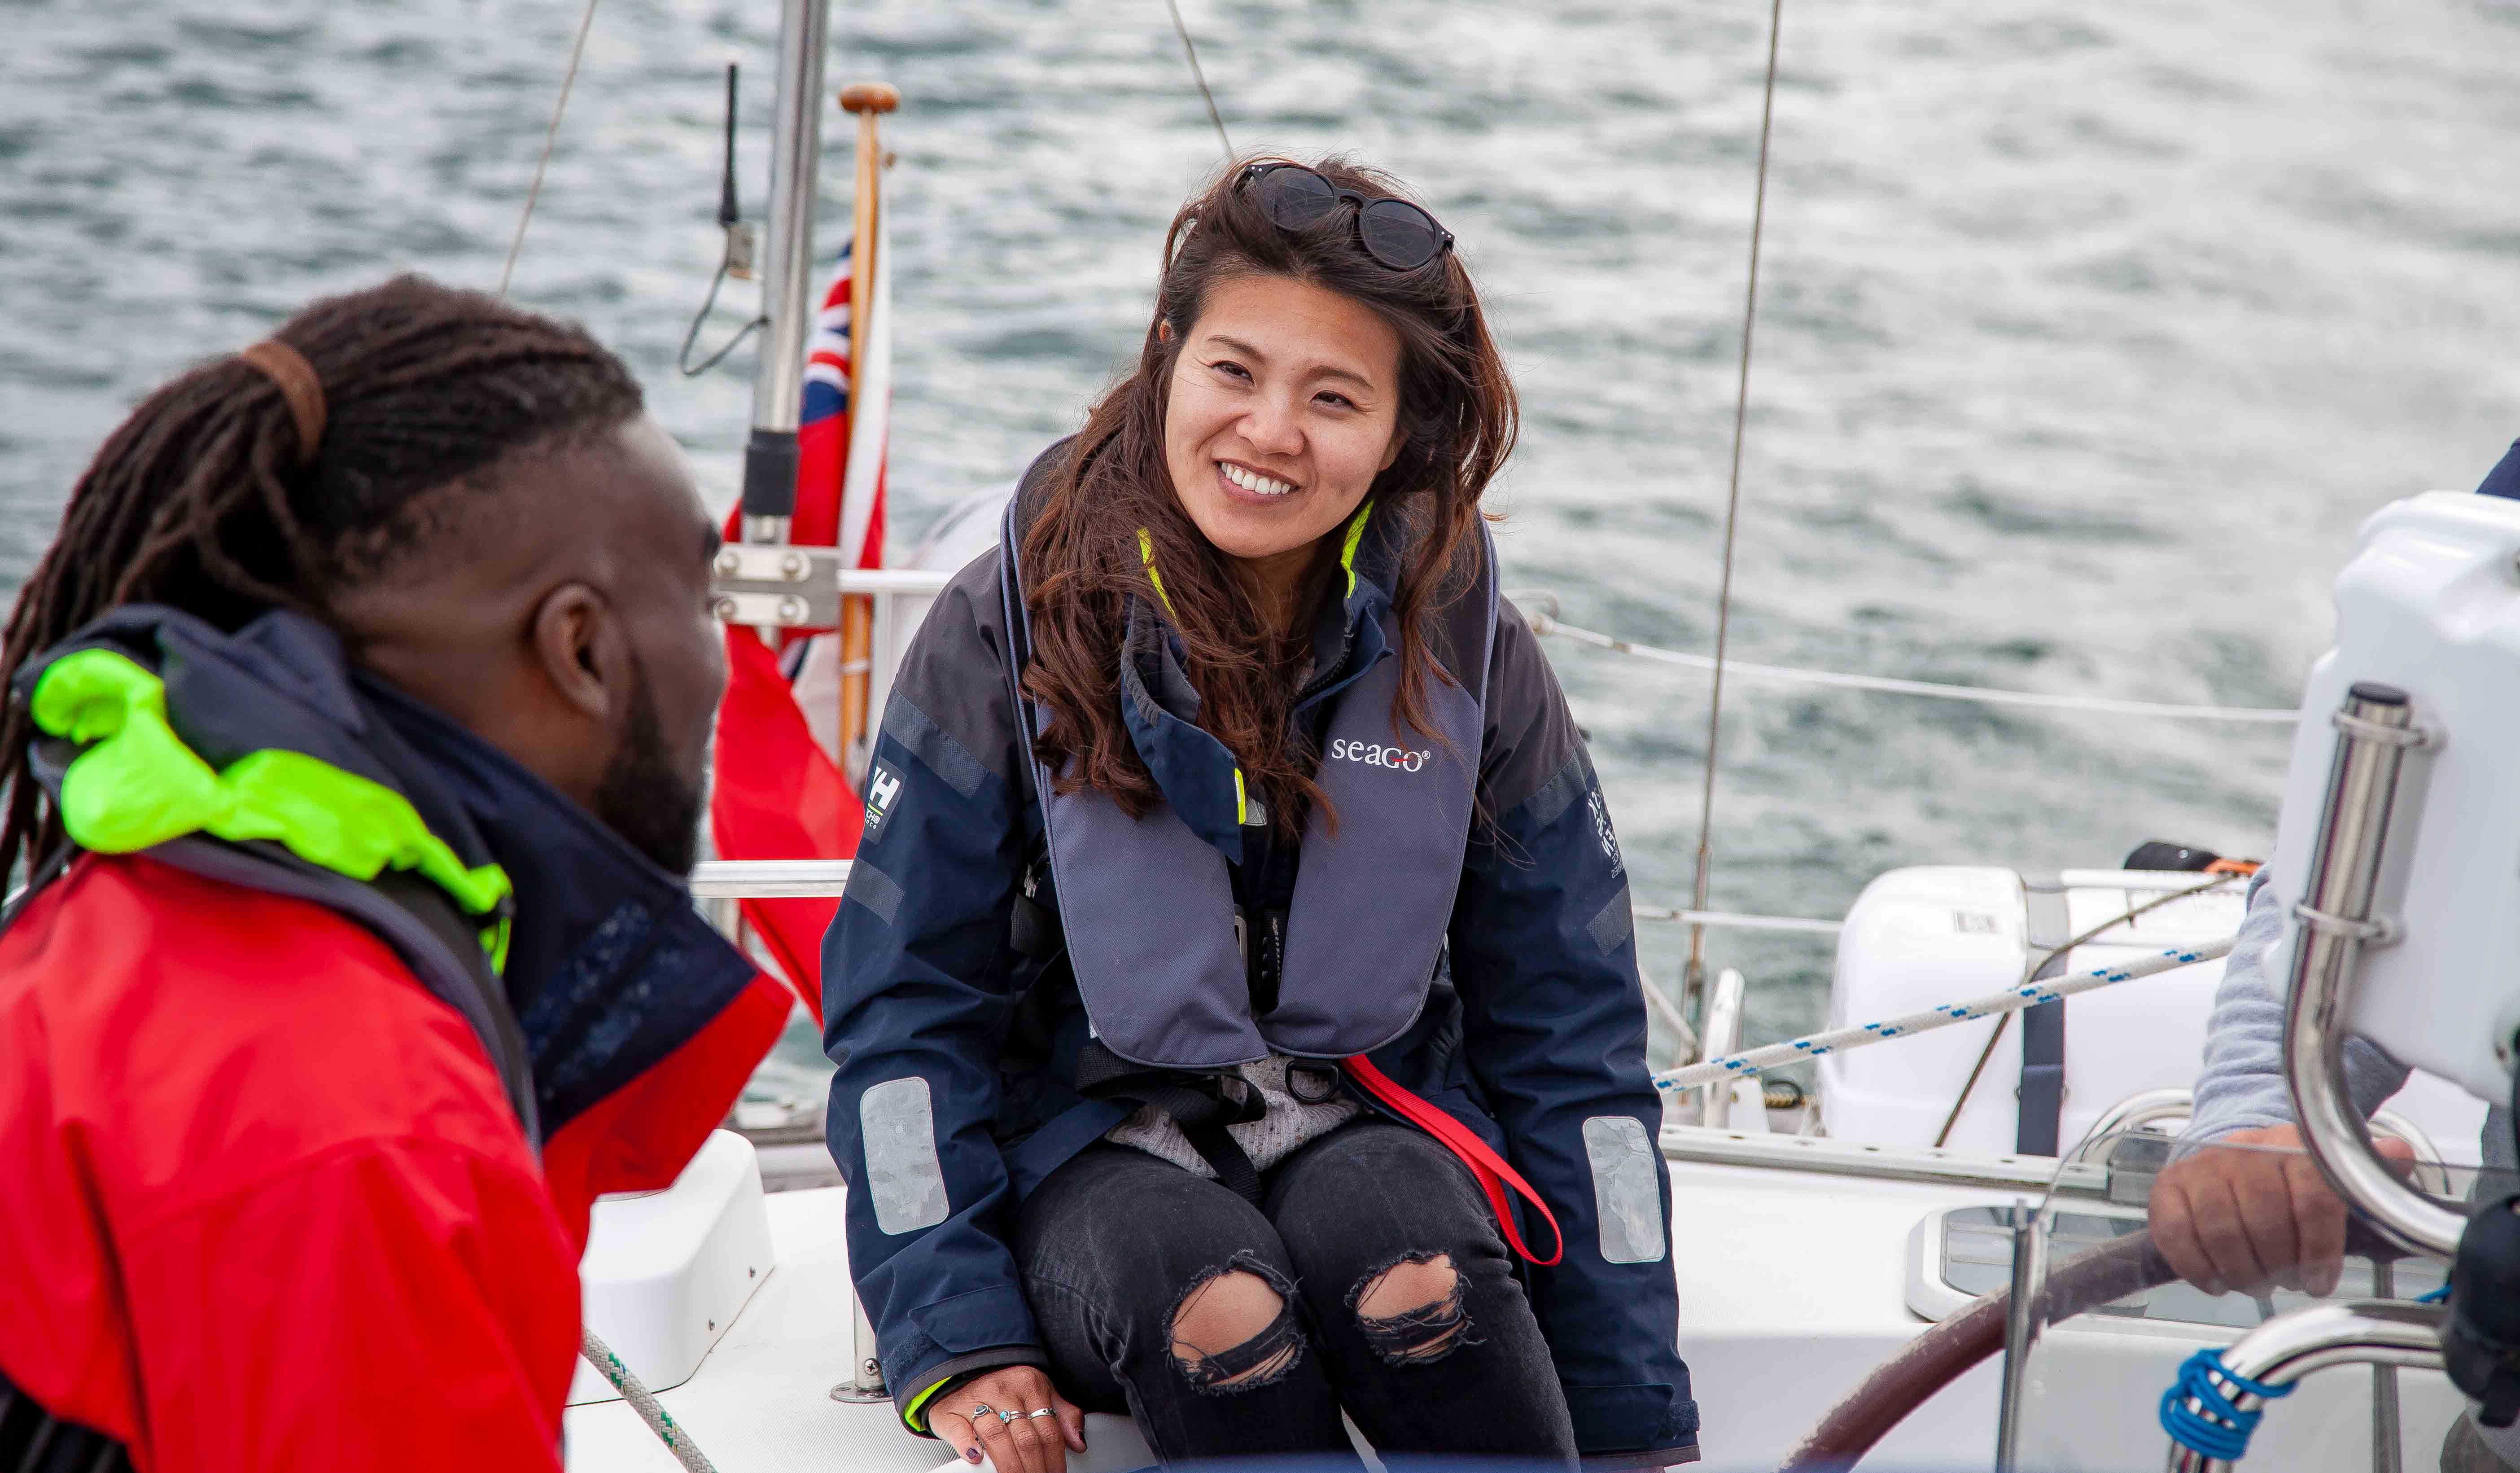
(2243, 1085)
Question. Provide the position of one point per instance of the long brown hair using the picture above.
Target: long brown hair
(1082, 557)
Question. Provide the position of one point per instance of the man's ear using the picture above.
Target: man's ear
(582, 652)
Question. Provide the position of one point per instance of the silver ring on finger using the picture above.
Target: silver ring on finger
(1008, 1419)
(1044, 1412)
(981, 1409)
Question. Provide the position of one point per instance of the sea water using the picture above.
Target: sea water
(2086, 334)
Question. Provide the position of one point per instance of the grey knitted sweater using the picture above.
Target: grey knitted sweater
(2242, 1087)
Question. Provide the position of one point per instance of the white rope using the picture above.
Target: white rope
(1542, 624)
(577, 50)
(644, 1401)
(2010, 1000)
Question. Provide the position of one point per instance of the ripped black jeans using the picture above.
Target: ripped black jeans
(1372, 1276)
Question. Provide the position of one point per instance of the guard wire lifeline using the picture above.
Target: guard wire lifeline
(2010, 1000)
(1548, 624)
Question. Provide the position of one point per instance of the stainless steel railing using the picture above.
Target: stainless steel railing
(2374, 730)
(2289, 1347)
(768, 879)
(2335, 919)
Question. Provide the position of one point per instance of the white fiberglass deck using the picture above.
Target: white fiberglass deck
(1798, 1262)
(1793, 1285)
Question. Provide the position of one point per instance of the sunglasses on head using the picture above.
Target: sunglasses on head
(1394, 232)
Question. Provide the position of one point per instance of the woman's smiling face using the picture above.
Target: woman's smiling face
(1284, 405)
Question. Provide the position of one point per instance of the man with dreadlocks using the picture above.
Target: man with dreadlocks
(352, 750)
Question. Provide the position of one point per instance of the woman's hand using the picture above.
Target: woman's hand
(1042, 1427)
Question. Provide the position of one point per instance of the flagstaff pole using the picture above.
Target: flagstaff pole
(868, 101)
(778, 382)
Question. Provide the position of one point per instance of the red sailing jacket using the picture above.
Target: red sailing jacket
(263, 1203)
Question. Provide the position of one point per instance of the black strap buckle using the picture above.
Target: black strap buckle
(1263, 957)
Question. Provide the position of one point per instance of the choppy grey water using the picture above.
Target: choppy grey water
(2087, 333)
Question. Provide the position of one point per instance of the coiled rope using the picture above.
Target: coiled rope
(1549, 625)
(2213, 1427)
(2010, 1000)
(644, 1401)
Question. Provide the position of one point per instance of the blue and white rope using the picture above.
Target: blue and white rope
(2010, 1000)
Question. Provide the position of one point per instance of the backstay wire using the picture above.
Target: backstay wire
(1693, 977)
(551, 135)
(1191, 53)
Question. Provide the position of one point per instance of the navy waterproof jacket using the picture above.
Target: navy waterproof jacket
(956, 1051)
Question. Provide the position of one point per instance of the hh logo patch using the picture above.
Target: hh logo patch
(883, 794)
(1602, 827)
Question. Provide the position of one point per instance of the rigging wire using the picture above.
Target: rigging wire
(1694, 979)
(682, 359)
(576, 53)
(2274, 715)
(1192, 52)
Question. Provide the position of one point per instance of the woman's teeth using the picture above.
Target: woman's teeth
(1254, 482)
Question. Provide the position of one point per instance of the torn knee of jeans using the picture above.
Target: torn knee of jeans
(1267, 1348)
(1433, 1326)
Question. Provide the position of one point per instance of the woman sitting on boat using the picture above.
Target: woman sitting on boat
(1236, 976)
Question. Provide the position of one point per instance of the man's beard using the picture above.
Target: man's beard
(643, 798)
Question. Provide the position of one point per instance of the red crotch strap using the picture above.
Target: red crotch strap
(1492, 1172)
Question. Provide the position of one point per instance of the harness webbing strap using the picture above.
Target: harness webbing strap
(1197, 1104)
(1203, 1119)
(2038, 1119)
(1492, 1172)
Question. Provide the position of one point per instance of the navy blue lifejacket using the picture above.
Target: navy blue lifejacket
(1161, 953)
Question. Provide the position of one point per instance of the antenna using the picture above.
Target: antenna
(729, 210)
(743, 243)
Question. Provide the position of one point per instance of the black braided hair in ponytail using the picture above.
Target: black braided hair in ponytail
(204, 499)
